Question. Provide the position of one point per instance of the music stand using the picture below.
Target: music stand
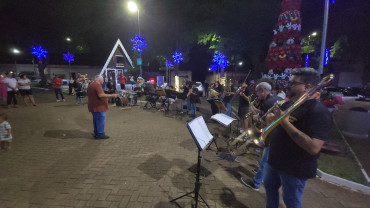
(202, 137)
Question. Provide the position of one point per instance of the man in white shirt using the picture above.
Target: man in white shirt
(12, 85)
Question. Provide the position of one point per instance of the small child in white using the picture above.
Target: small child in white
(5, 132)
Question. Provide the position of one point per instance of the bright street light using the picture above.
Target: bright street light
(68, 39)
(314, 34)
(132, 6)
(240, 63)
(16, 51)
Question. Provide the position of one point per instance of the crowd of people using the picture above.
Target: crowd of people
(10, 87)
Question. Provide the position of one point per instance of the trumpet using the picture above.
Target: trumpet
(312, 93)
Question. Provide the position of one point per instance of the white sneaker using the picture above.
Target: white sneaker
(63, 100)
(58, 100)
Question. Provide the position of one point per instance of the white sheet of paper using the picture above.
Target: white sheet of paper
(223, 119)
(200, 131)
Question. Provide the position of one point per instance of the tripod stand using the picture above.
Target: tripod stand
(196, 188)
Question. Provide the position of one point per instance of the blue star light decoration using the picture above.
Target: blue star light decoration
(213, 67)
(220, 60)
(169, 64)
(69, 57)
(139, 43)
(307, 56)
(39, 52)
(177, 57)
(327, 54)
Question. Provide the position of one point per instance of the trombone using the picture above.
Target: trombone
(312, 93)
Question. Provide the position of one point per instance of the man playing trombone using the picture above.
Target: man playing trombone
(296, 142)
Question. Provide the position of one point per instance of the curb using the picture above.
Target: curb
(350, 149)
(343, 182)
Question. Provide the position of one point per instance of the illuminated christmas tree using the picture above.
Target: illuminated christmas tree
(285, 48)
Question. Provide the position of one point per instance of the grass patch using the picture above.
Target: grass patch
(344, 167)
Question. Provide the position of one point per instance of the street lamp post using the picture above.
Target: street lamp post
(323, 39)
(133, 8)
(15, 52)
(308, 45)
(239, 64)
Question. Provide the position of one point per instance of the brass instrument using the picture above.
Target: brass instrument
(312, 93)
(190, 92)
(249, 117)
(213, 93)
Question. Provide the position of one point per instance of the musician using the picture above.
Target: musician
(140, 84)
(193, 96)
(228, 98)
(205, 86)
(186, 86)
(111, 89)
(218, 88)
(170, 97)
(244, 106)
(295, 143)
(266, 101)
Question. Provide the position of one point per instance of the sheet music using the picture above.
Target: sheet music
(200, 132)
(223, 119)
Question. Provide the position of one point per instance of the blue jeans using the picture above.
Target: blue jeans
(193, 107)
(292, 188)
(258, 178)
(182, 105)
(228, 107)
(135, 99)
(99, 123)
(188, 108)
(77, 98)
(57, 92)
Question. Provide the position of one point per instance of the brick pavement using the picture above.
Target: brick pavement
(149, 160)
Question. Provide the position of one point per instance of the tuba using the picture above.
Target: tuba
(312, 93)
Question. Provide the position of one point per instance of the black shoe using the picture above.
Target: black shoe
(104, 137)
(249, 183)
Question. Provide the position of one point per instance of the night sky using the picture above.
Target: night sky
(95, 25)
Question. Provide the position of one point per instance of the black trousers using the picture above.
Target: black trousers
(12, 97)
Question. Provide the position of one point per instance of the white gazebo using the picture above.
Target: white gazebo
(115, 63)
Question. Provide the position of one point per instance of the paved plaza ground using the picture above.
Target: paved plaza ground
(149, 160)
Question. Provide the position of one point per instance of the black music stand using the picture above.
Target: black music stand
(223, 120)
(202, 137)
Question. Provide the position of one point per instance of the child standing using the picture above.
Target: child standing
(5, 132)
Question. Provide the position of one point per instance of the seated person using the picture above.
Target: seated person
(111, 88)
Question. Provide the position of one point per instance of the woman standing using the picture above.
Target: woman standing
(24, 85)
(3, 88)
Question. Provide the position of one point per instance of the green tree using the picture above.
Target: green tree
(341, 49)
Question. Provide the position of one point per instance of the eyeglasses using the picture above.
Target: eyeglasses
(294, 83)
